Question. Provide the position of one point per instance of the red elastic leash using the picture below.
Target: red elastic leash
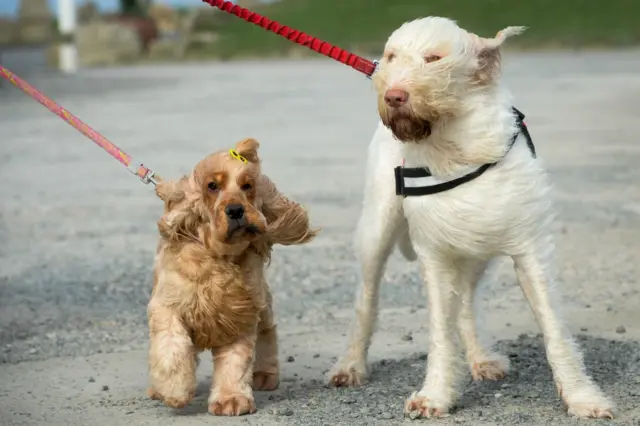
(356, 62)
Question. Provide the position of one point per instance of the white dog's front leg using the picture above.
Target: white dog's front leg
(483, 363)
(444, 363)
(581, 395)
(378, 227)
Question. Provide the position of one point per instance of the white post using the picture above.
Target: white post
(68, 54)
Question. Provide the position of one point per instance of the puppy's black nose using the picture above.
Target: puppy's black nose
(234, 211)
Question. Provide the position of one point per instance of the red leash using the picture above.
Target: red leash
(138, 169)
(356, 62)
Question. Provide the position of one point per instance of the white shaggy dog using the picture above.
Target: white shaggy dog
(445, 109)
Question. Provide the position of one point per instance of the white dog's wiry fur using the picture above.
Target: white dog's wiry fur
(454, 113)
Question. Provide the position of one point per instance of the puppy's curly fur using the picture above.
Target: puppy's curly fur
(210, 293)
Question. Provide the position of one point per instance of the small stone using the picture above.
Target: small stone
(349, 400)
(505, 385)
(290, 358)
(105, 388)
(414, 414)
(92, 380)
(316, 355)
(413, 310)
(508, 324)
(620, 329)
(386, 415)
(129, 412)
(584, 329)
(285, 412)
(407, 337)
(609, 309)
(587, 306)
(498, 395)
(33, 351)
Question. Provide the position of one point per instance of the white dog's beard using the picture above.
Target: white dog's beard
(405, 126)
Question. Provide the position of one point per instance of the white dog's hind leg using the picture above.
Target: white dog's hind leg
(444, 363)
(377, 230)
(581, 395)
(484, 364)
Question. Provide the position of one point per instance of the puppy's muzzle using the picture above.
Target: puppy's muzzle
(238, 221)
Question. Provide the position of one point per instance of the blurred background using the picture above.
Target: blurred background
(111, 32)
(170, 81)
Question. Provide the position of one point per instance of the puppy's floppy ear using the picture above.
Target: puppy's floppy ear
(182, 215)
(171, 192)
(248, 148)
(287, 221)
(488, 52)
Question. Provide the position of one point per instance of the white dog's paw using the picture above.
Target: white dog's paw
(601, 410)
(590, 404)
(492, 367)
(423, 406)
(348, 374)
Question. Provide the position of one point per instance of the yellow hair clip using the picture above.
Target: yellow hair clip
(237, 156)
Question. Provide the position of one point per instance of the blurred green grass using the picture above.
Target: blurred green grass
(364, 25)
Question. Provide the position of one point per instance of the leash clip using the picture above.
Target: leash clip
(375, 67)
(149, 178)
(145, 174)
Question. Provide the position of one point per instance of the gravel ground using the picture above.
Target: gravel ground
(77, 235)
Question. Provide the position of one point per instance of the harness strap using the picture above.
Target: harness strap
(402, 172)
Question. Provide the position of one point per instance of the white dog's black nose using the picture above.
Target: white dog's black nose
(396, 97)
(234, 211)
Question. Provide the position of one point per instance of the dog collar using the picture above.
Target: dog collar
(418, 181)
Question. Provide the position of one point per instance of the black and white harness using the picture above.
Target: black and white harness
(421, 182)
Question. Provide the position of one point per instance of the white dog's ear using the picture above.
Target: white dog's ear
(488, 52)
(501, 37)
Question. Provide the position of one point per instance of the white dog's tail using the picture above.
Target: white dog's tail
(405, 247)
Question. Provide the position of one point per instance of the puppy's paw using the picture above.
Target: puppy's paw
(232, 405)
(494, 367)
(588, 404)
(418, 406)
(174, 401)
(264, 381)
(348, 374)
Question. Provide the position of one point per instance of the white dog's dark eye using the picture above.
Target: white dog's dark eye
(390, 57)
(432, 58)
(212, 186)
(246, 187)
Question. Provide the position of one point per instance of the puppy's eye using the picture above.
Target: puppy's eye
(432, 58)
(246, 187)
(391, 57)
(212, 186)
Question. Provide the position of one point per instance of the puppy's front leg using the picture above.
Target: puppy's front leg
(444, 364)
(172, 358)
(581, 395)
(377, 229)
(231, 393)
(266, 370)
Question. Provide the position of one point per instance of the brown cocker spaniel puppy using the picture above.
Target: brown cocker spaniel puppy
(210, 290)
